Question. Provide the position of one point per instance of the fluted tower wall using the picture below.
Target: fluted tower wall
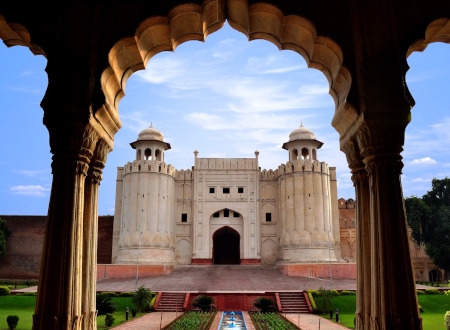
(148, 202)
(304, 206)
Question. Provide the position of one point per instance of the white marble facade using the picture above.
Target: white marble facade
(226, 210)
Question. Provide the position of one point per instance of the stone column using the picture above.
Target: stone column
(375, 117)
(391, 268)
(58, 303)
(360, 180)
(90, 236)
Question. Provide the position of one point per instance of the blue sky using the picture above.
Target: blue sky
(225, 97)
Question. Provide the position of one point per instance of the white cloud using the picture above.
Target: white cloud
(32, 173)
(421, 180)
(30, 190)
(423, 161)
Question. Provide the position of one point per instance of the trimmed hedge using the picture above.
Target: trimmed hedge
(4, 291)
(311, 300)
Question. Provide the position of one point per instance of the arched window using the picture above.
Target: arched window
(305, 153)
(148, 154)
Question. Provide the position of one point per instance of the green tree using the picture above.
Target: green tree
(104, 304)
(429, 219)
(142, 298)
(4, 234)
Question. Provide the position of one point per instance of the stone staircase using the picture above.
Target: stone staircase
(293, 302)
(170, 302)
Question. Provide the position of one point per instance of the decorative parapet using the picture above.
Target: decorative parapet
(226, 164)
(151, 166)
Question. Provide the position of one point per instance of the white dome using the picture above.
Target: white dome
(301, 133)
(150, 133)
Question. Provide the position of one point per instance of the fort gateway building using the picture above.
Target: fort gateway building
(227, 210)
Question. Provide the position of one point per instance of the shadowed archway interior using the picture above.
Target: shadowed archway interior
(226, 249)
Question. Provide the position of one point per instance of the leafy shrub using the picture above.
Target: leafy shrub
(142, 298)
(126, 294)
(324, 301)
(312, 301)
(347, 293)
(133, 312)
(335, 293)
(25, 294)
(4, 291)
(152, 302)
(104, 304)
(314, 292)
(432, 291)
(420, 292)
(12, 321)
(110, 294)
(447, 292)
(109, 320)
(203, 302)
(420, 309)
(265, 304)
(29, 283)
(447, 320)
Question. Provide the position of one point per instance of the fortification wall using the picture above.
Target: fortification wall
(24, 245)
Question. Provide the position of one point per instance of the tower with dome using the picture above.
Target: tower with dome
(226, 210)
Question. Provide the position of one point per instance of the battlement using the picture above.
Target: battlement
(151, 166)
(226, 164)
(301, 165)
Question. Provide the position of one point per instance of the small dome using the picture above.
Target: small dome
(301, 133)
(150, 133)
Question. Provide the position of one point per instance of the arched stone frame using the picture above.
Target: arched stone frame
(269, 251)
(235, 223)
(183, 251)
(344, 111)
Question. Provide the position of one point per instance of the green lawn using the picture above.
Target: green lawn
(434, 307)
(23, 306)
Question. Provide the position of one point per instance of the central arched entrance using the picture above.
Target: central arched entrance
(226, 249)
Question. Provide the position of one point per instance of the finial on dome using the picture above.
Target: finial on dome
(151, 124)
(301, 123)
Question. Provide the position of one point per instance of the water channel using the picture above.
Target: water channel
(232, 320)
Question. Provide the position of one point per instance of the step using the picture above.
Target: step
(293, 302)
(171, 302)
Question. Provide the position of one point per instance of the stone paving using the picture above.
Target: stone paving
(228, 278)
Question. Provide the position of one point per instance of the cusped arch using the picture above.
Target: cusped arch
(194, 22)
(437, 31)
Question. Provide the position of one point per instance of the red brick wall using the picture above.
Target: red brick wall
(24, 246)
(105, 236)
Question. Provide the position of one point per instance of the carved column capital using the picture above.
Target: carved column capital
(73, 143)
(98, 160)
